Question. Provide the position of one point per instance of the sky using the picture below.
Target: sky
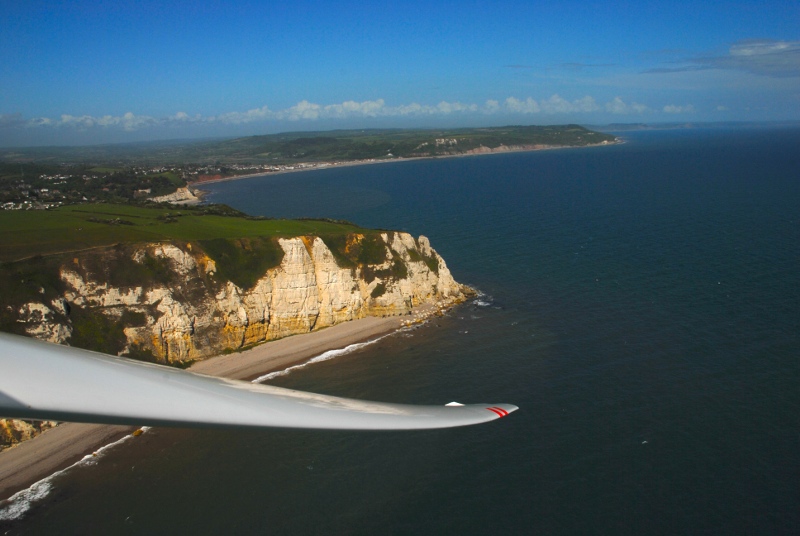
(87, 72)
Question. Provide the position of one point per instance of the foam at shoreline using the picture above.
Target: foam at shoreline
(325, 356)
(18, 504)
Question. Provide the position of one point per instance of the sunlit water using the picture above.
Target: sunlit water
(642, 307)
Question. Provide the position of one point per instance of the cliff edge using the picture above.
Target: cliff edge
(176, 302)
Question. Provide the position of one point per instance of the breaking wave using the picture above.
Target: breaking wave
(483, 300)
(18, 504)
(325, 356)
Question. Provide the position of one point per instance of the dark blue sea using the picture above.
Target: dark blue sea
(641, 305)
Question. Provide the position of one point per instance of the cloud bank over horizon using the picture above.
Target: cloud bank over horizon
(308, 113)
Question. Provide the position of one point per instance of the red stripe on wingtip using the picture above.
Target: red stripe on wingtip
(499, 411)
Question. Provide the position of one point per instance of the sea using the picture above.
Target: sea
(639, 302)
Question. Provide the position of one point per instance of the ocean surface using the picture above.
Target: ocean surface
(641, 304)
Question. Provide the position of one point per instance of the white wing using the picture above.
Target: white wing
(46, 381)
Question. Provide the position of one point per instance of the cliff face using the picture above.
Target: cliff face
(13, 431)
(171, 302)
(181, 195)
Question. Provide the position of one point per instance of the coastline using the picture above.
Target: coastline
(59, 448)
(196, 187)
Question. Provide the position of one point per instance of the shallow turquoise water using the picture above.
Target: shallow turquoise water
(642, 308)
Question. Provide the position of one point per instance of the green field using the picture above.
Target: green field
(102, 169)
(79, 227)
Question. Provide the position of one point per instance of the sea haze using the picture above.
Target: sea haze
(641, 305)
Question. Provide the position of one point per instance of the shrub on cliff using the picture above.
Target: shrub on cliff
(243, 261)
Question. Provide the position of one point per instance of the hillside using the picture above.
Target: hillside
(293, 147)
(371, 144)
(80, 227)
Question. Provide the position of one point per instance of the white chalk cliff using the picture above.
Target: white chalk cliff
(199, 314)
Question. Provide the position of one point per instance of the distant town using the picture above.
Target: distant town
(158, 184)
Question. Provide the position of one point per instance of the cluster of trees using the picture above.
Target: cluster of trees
(68, 184)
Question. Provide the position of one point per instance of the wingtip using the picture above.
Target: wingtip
(502, 410)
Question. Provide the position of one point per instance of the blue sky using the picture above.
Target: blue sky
(104, 72)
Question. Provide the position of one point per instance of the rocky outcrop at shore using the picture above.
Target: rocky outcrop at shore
(506, 149)
(180, 196)
(13, 431)
(525, 147)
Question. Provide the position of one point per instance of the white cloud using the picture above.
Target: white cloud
(312, 111)
(765, 57)
(756, 47)
(491, 106)
(618, 106)
(309, 111)
(557, 104)
(406, 109)
(134, 122)
(183, 117)
(353, 108)
(455, 107)
(107, 120)
(301, 110)
(528, 106)
(416, 109)
(760, 56)
(675, 109)
(587, 104)
(40, 122)
(84, 121)
(236, 118)
(128, 121)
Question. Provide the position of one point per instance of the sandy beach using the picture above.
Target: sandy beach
(197, 187)
(58, 448)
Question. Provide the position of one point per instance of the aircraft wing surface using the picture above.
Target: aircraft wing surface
(47, 381)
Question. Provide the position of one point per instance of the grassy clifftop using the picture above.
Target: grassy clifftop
(99, 241)
(79, 227)
(154, 283)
